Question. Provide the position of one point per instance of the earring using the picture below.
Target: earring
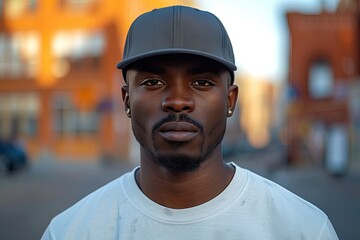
(128, 112)
(229, 112)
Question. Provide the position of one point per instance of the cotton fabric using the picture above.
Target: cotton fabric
(251, 207)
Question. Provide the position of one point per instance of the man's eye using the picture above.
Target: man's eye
(203, 83)
(152, 82)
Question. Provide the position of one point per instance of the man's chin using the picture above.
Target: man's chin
(179, 163)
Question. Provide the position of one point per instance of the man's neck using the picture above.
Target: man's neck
(184, 189)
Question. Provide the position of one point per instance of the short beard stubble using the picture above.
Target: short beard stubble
(179, 162)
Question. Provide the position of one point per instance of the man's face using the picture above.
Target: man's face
(179, 106)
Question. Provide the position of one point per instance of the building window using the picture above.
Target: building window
(77, 4)
(76, 51)
(68, 119)
(19, 114)
(17, 8)
(321, 80)
(19, 56)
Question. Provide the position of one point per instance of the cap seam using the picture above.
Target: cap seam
(179, 29)
(223, 37)
(128, 49)
(174, 27)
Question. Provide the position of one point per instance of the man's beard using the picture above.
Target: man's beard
(180, 162)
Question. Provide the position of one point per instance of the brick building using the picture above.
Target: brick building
(59, 89)
(324, 68)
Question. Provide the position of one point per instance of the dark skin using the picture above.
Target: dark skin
(181, 160)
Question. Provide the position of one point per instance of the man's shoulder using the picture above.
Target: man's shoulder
(99, 204)
(279, 212)
(283, 205)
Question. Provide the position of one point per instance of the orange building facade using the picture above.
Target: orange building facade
(323, 71)
(59, 88)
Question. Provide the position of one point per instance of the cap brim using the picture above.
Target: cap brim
(126, 62)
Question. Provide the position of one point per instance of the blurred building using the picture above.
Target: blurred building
(59, 89)
(324, 80)
(258, 100)
(258, 120)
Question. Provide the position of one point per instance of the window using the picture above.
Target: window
(19, 114)
(321, 80)
(16, 8)
(77, 50)
(70, 120)
(19, 56)
(77, 4)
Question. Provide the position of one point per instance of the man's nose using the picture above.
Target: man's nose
(178, 99)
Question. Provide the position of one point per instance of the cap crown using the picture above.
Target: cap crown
(178, 29)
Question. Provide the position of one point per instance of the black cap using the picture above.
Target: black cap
(178, 29)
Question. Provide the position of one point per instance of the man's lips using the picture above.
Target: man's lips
(178, 131)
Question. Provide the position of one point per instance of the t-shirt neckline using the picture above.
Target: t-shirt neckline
(188, 215)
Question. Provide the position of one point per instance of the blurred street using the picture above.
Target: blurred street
(30, 198)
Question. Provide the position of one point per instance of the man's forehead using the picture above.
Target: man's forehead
(191, 63)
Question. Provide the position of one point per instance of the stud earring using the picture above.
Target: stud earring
(128, 112)
(229, 112)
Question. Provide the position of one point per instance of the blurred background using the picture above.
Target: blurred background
(64, 132)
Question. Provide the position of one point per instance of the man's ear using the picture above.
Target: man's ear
(125, 92)
(232, 97)
(125, 97)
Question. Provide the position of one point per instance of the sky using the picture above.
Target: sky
(259, 32)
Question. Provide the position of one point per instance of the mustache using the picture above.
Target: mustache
(182, 117)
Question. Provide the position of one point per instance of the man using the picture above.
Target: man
(178, 66)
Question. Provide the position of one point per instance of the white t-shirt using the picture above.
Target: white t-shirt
(251, 207)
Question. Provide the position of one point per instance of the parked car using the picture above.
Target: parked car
(12, 157)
